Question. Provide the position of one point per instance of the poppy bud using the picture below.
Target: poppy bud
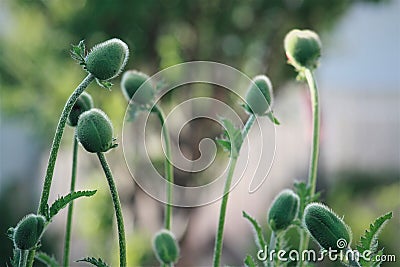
(132, 80)
(259, 95)
(28, 231)
(95, 131)
(84, 103)
(106, 60)
(283, 210)
(303, 49)
(165, 247)
(326, 228)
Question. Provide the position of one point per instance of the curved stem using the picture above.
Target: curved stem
(169, 171)
(57, 140)
(312, 176)
(54, 151)
(224, 203)
(71, 205)
(117, 208)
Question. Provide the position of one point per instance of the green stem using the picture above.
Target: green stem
(312, 177)
(71, 205)
(54, 151)
(117, 208)
(169, 171)
(57, 140)
(23, 255)
(224, 203)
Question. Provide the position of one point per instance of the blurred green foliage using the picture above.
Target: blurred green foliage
(37, 74)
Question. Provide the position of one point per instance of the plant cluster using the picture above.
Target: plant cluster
(94, 131)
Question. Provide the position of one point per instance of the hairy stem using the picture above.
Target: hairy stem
(23, 255)
(57, 140)
(224, 203)
(117, 208)
(54, 151)
(312, 176)
(169, 171)
(71, 205)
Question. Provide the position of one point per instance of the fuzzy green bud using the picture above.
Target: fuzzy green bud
(165, 247)
(106, 60)
(29, 231)
(95, 131)
(84, 103)
(325, 227)
(131, 81)
(303, 49)
(283, 210)
(259, 95)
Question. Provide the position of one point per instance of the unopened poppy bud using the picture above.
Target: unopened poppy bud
(131, 81)
(326, 228)
(303, 49)
(165, 247)
(283, 210)
(29, 231)
(94, 131)
(106, 60)
(84, 103)
(259, 95)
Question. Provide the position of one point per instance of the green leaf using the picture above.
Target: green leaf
(96, 262)
(369, 241)
(258, 234)
(225, 144)
(233, 135)
(273, 119)
(78, 52)
(46, 259)
(104, 84)
(249, 261)
(62, 202)
(304, 191)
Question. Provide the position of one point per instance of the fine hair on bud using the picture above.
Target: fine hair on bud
(131, 81)
(82, 104)
(166, 247)
(259, 95)
(95, 131)
(283, 210)
(325, 227)
(303, 49)
(107, 60)
(28, 231)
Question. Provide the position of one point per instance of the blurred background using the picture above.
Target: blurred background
(359, 80)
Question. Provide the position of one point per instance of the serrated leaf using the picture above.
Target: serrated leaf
(225, 144)
(46, 259)
(233, 135)
(258, 234)
(78, 52)
(249, 261)
(369, 241)
(96, 262)
(62, 202)
(104, 84)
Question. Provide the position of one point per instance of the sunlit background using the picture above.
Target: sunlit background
(359, 80)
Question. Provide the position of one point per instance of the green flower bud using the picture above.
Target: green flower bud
(131, 81)
(29, 231)
(303, 49)
(259, 95)
(165, 247)
(84, 103)
(283, 210)
(95, 131)
(325, 227)
(106, 60)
